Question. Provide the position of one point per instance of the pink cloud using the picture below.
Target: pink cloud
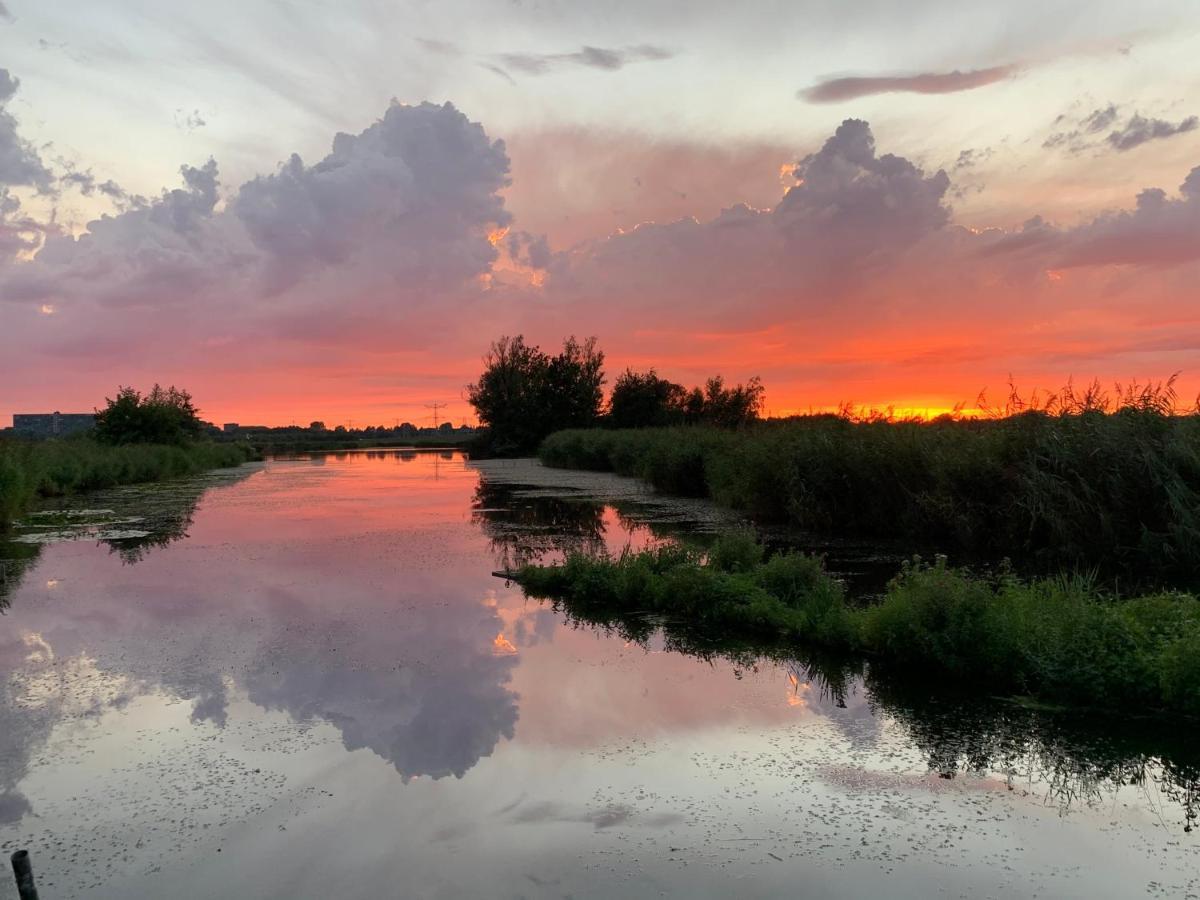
(837, 90)
(369, 282)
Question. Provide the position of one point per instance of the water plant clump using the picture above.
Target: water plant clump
(1059, 639)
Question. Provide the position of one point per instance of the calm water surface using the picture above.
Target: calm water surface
(302, 680)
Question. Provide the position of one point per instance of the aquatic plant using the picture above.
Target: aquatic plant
(29, 470)
(1058, 639)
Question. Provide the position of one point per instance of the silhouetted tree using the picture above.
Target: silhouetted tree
(731, 407)
(572, 387)
(643, 400)
(163, 416)
(524, 393)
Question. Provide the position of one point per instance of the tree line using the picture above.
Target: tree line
(525, 393)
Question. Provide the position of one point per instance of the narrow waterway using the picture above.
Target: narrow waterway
(301, 679)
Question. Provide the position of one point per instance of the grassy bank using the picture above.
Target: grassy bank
(29, 470)
(1056, 639)
(1115, 490)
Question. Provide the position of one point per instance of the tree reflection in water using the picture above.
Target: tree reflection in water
(426, 691)
(15, 560)
(130, 521)
(1076, 759)
(1082, 759)
(524, 525)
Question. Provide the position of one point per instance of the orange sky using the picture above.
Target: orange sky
(908, 237)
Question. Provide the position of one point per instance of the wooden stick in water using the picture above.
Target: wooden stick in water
(23, 870)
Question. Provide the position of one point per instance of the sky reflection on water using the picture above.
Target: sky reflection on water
(313, 686)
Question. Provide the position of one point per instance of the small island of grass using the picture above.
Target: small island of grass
(1058, 640)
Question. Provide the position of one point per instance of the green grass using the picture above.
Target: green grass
(31, 470)
(1058, 640)
(1119, 491)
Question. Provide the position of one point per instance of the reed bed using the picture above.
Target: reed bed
(32, 470)
(1111, 486)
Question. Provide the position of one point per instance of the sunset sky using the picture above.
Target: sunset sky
(327, 209)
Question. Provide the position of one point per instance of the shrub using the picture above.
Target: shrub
(736, 551)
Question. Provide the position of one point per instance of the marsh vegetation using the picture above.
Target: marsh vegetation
(1085, 482)
(137, 438)
(1057, 639)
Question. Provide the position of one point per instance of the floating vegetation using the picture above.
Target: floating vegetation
(1076, 758)
(161, 512)
(52, 526)
(33, 470)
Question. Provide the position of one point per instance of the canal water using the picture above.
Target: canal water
(302, 679)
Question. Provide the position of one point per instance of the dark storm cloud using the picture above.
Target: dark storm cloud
(85, 182)
(589, 57)
(836, 90)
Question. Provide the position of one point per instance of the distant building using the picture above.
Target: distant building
(230, 427)
(55, 424)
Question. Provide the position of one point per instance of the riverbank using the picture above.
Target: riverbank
(1057, 640)
(1118, 491)
(33, 470)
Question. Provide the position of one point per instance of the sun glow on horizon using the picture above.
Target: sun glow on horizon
(923, 412)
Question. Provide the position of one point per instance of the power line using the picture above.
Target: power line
(435, 406)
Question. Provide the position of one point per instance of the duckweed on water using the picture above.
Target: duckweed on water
(29, 470)
(1059, 640)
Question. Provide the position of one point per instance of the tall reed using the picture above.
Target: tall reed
(1077, 486)
(29, 470)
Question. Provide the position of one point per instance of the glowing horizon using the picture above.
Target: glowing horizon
(889, 210)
